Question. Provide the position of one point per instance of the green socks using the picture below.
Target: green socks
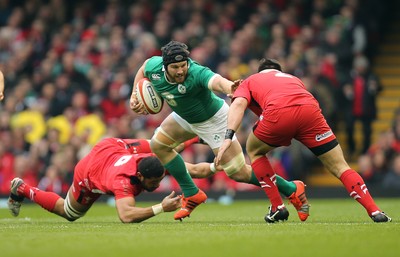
(285, 187)
(254, 180)
(176, 167)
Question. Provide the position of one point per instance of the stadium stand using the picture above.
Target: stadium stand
(68, 63)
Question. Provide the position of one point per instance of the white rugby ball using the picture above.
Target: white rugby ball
(146, 94)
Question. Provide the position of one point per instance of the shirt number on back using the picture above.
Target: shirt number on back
(124, 159)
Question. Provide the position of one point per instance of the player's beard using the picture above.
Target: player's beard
(176, 79)
(180, 79)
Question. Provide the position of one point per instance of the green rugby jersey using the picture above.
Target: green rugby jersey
(192, 100)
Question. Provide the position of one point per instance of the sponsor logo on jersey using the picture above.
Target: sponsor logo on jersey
(156, 76)
(96, 191)
(182, 89)
(323, 136)
(261, 118)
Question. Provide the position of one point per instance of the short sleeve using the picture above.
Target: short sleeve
(243, 91)
(122, 187)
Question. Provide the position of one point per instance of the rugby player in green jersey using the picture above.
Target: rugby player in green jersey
(187, 87)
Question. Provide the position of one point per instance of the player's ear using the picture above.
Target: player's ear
(139, 176)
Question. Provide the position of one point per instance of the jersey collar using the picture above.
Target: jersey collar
(268, 70)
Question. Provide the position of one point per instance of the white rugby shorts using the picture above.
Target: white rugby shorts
(212, 131)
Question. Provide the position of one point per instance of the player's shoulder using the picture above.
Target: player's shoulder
(195, 66)
(154, 63)
(154, 70)
(199, 72)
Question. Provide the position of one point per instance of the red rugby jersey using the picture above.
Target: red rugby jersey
(272, 89)
(108, 168)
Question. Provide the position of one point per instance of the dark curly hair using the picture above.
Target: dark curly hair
(268, 63)
(151, 167)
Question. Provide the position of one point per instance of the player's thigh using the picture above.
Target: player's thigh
(212, 131)
(255, 147)
(74, 202)
(334, 161)
(234, 150)
(80, 198)
(313, 131)
(170, 134)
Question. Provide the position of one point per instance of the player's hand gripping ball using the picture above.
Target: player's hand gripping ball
(146, 94)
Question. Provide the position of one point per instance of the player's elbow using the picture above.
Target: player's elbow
(128, 219)
(240, 103)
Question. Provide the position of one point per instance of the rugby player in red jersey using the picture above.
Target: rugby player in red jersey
(288, 111)
(119, 167)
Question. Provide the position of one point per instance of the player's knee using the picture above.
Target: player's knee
(70, 219)
(70, 213)
(240, 177)
(161, 141)
(235, 165)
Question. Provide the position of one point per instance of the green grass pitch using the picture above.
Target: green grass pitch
(336, 227)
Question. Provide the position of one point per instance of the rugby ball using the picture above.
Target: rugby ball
(146, 94)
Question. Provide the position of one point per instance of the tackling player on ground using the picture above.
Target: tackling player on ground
(113, 167)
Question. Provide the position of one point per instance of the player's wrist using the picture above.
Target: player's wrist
(157, 209)
(212, 167)
(229, 134)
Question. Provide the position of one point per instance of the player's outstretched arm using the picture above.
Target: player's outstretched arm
(221, 85)
(199, 170)
(235, 117)
(129, 213)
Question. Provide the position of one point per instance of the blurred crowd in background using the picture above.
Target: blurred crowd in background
(69, 67)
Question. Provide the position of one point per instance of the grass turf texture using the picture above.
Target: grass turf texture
(336, 227)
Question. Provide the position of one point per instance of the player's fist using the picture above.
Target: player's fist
(135, 105)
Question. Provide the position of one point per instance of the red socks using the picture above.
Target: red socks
(357, 189)
(45, 199)
(267, 178)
